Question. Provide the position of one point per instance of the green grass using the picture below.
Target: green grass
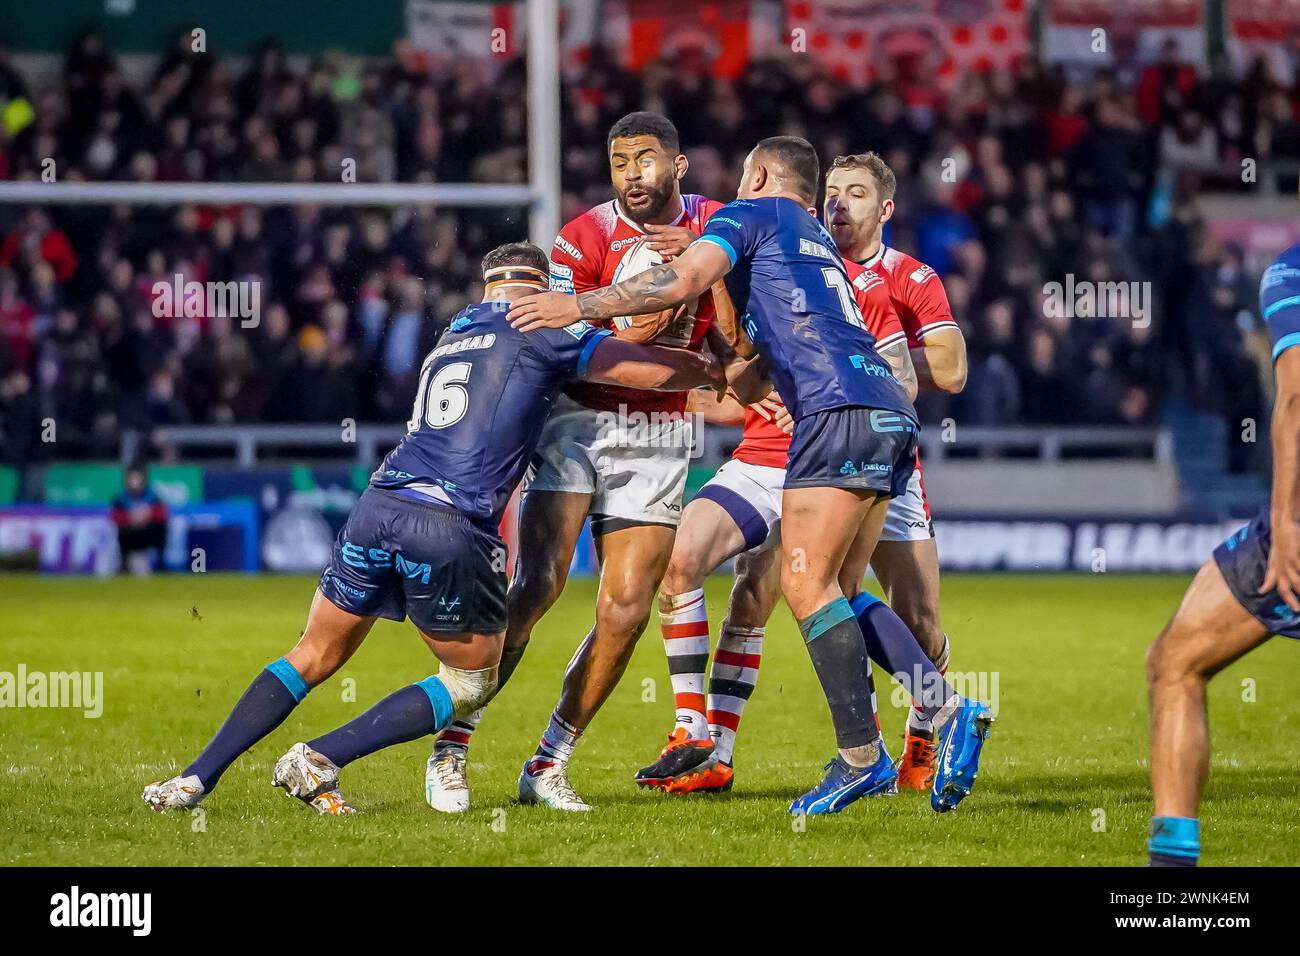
(1069, 744)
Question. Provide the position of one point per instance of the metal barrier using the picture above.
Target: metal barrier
(366, 444)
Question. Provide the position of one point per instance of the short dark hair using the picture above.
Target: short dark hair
(798, 159)
(645, 123)
(516, 254)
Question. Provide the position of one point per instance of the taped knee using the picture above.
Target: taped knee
(469, 690)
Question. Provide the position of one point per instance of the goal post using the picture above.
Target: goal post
(541, 195)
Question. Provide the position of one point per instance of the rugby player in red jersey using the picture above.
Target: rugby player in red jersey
(619, 455)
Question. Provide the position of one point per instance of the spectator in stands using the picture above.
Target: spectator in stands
(141, 520)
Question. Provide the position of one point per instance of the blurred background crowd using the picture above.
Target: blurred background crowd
(1011, 180)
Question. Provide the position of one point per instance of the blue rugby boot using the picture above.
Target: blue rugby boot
(843, 784)
(959, 755)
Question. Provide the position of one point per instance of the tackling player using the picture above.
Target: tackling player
(854, 446)
(738, 514)
(859, 201)
(1249, 591)
(618, 455)
(421, 541)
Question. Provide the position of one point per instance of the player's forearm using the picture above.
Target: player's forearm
(940, 363)
(651, 291)
(899, 360)
(660, 368)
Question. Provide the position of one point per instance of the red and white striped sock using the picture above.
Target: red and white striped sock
(556, 746)
(458, 732)
(918, 725)
(685, 627)
(732, 680)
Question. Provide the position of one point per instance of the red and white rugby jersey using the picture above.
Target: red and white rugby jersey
(917, 292)
(761, 441)
(585, 255)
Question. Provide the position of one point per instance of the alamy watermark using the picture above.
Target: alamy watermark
(638, 429)
(1085, 299)
(77, 690)
(183, 298)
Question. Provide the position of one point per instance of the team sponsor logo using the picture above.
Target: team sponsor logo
(868, 367)
(560, 284)
(560, 269)
(130, 910)
(1277, 274)
(868, 280)
(565, 246)
(580, 328)
(922, 274)
(889, 422)
(618, 245)
(378, 559)
(734, 223)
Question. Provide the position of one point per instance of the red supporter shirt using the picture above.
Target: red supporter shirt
(585, 256)
(762, 442)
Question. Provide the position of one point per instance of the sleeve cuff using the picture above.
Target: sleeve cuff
(722, 244)
(584, 357)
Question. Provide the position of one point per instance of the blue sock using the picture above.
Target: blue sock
(1175, 841)
(415, 711)
(271, 697)
(840, 660)
(893, 647)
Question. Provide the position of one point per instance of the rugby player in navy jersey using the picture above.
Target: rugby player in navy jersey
(854, 447)
(1248, 591)
(422, 540)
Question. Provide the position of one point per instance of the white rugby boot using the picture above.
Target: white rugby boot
(312, 778)
(178, 793)
(446, 787)
(550, 787)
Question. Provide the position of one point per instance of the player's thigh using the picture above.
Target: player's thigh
(1208, 632)
(331, 637)
(819, 525)
(757, 588)
(707, 536)
(909, 573)
(550, 523)
(632, 563)
(465, 650)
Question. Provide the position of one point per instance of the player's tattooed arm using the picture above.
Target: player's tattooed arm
(654, 290)
(1283, 571)
(899, 360)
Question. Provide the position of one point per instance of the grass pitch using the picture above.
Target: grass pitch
(1063, 781)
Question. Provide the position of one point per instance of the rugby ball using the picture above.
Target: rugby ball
(669, 327)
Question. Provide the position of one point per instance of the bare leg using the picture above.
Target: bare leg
(1209, 631)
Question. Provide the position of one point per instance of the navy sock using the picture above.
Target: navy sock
(415, 711)
(271, 697)
(840, 660)
(893, 647)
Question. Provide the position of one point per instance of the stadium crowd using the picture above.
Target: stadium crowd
(1010, 181)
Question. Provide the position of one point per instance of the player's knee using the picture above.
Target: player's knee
(683, 574)
(623, 612)
(469, 689)
(1168, 660)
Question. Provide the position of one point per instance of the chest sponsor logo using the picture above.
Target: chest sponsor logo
(565, 246)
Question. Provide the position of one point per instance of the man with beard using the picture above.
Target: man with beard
(619, 455)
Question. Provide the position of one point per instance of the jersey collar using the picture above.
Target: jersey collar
(872, 260)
